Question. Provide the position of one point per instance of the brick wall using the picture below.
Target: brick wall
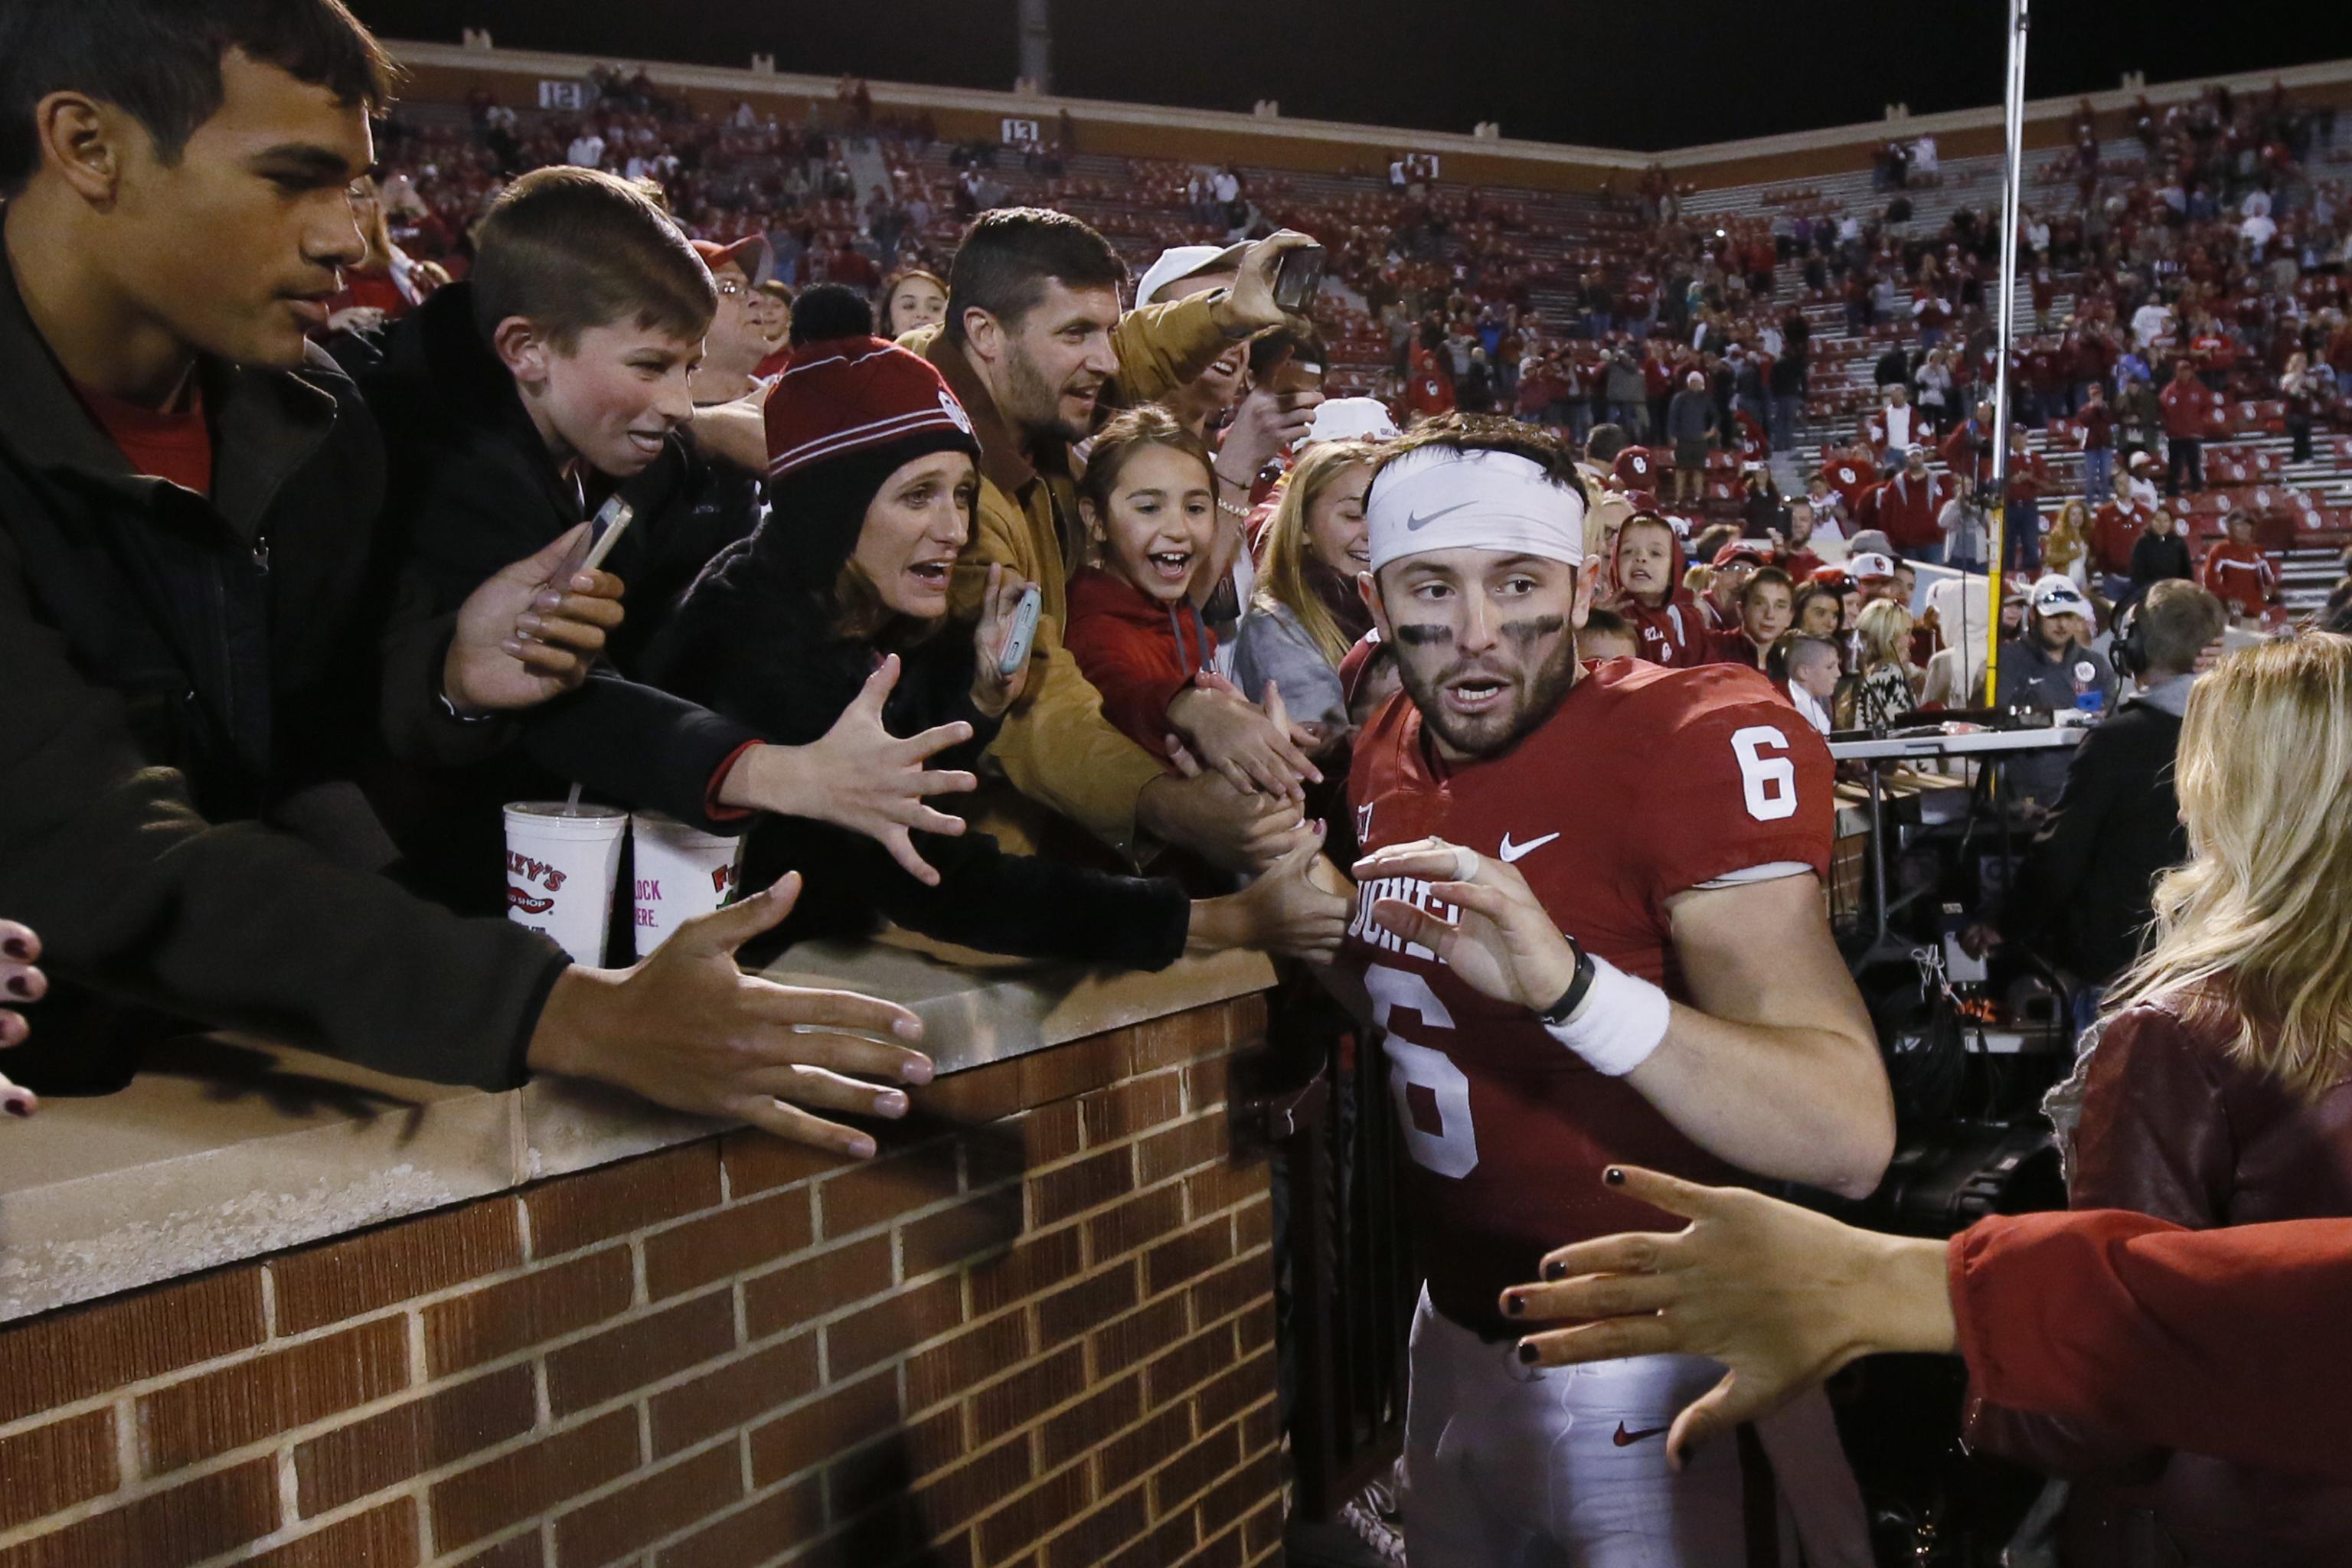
(1037, 1331)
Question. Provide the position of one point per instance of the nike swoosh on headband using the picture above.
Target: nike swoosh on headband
(1414, 523)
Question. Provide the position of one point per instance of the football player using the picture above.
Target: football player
(1591, 918)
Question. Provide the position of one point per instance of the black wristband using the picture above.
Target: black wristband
(1559, 1012)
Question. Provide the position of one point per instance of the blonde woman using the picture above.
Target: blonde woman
(2066, 548)
(1307, 613)
(1890, 686)
(2221, 1091)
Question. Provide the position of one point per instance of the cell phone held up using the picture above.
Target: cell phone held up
(1296, 276)
(605, 530)
(1023, 634)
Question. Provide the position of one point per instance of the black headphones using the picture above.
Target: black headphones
(2128, 651)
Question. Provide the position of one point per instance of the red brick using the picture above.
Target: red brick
(1070, 1070)
(1005, 1406)
(1027, 1518)
(358, 1274)
(1048, 1133)
(642, 1512)
(216, 1411)
(1163, 1548)
(56, 1467)
(752, 1536)
(1223, 1186)
(1137, 1453)
(1082, 1185)
(1253, 1227)
(1262, 1530)
(1038, 1263)
(515, 1551)
(758, 1163)
(531, 1308)
(801, 1293)
(974, 1096)
(1071, 1311)
(1188, 1365)
(441, 1428)
(956, 1364)
(882, 1472)
(840, 1421)
(733, 1393)
(1132, 1338)
(381, 1538)
(1190, 1472)
(533, 1480)
(1246, 1019)
(66, 1355)
(571, 1212)
(1225, 1551)
(1182, 1037)
(1208, 1083)
(187, 1524)
(892, 1325)
(1122, 1110)
(964, 1234)
(875, 1193)
(1261, 1428)
(1247, 1488)
(961, 1495)
(1138, 1220)
(1089, 1423)
(1092, 1539)
(1236, 1391)
(1232, 1287)
(1256, 1326)
(1183, 1147)
(1188, 1256)
(603, 1366)
(732, 1241)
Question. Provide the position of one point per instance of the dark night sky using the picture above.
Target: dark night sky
(1635, 75)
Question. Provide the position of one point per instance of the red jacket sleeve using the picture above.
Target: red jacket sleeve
(1135, 674)
(2221, 1341)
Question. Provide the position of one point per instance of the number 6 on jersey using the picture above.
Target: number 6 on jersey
(1770, 784)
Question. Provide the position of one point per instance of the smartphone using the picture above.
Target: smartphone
(605, 530)
(1296, 276)
(1024, 631)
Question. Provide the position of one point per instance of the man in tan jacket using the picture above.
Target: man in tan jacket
(1034, 341)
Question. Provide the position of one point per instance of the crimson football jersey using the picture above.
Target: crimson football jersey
(1646, 782)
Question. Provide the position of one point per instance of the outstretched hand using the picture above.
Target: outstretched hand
(20, 983)
(522, 637)
(1781, 1296)
(994, 692)
(1501, 941)
(687, 1028)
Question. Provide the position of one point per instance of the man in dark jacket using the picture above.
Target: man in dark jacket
(192, 586)
(2050, 669)
(2083, 889)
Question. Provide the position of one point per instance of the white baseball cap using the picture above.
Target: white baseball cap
(1182, 261)
(1352, 419)
(2056, 595)
(1869, 563)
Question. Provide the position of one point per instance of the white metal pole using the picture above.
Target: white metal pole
(2011, 212)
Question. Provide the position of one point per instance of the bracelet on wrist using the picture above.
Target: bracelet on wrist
(1580, 983)
(1619, 1021)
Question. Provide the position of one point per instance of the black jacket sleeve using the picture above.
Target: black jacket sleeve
(1017, 904)
(2052, 876)
(137, 897)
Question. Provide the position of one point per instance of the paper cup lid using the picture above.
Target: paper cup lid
(553, 820)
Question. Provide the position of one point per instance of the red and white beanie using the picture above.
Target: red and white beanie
(849, 395)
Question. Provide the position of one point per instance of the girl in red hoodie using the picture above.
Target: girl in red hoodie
(1149, 502)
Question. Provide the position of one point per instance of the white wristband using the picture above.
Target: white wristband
(1621, 1020)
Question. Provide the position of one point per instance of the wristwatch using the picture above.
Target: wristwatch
(1561, 1011)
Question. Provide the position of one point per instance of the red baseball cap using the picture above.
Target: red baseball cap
(1738, 549)
(750, 256)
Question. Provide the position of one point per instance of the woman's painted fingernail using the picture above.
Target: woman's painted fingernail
(890, 1102)
(1613, 1176)
(20, 986)
(1528, 1354)
(1555, 1271)
(548, 602)
(17, 1108)
(1514, 1305)
(16, 947)
(528, 622)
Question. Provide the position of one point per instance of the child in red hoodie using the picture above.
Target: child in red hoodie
(1149, 502)
(1649, 572)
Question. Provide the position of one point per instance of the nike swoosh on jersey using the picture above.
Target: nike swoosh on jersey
(1415, 521)
(1625, 1439)
(1511, 852)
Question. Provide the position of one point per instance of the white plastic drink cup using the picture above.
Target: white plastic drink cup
(680, 872)
(561, 863)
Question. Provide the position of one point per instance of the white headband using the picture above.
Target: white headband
(1437, 497)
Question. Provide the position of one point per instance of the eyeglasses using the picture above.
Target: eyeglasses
(732, 289)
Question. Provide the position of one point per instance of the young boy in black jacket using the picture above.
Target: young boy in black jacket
(513, 405)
